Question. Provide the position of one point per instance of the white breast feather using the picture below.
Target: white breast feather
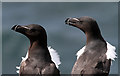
(111, 54)
(54, 55)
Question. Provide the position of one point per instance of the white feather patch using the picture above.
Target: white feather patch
(23, 59)
(80, 52)
(111, 54)
(17, 69)
(54, 55)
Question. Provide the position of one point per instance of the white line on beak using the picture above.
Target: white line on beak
(75, 19)
(25, 27)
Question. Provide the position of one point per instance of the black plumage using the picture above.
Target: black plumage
(93, 61)
(39, 60)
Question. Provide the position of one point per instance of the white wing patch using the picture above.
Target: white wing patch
(54, 55)
(23, 59)
(111, 54)
(18, 68)
(80, 52)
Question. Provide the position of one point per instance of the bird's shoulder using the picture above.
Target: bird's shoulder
(94, 54)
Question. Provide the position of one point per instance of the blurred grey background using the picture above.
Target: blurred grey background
(65, 39)
(0, 38)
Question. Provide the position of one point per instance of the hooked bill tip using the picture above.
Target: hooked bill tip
(14, 27)
(67, 21)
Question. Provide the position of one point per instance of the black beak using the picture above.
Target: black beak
(15, 27)
(19, 28)
(71, 21)
(67, 21)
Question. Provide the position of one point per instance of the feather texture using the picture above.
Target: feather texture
(111, 54)
(54, 55)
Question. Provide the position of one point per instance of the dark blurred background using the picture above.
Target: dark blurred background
(65, 39)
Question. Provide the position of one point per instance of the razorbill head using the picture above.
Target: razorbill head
(39, 59)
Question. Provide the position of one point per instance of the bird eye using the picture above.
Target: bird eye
(81, 21)
(33, 30)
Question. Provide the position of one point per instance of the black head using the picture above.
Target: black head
(88, 25)
(85, 23)
(33, 31)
